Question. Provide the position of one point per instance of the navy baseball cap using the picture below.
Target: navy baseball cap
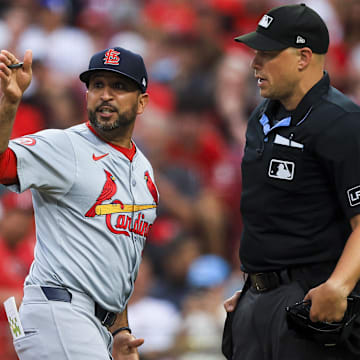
(289, 26)
(121, 61)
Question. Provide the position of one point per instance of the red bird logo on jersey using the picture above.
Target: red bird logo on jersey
(152, 188)
(107, 193)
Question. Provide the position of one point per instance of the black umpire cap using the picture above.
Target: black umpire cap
(289, 26)
(121, 61)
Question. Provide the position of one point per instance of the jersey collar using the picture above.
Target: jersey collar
(129, 153)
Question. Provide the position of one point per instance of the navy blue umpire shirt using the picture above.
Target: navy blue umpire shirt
(301, 180)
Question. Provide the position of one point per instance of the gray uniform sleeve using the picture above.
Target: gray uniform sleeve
(45, 161)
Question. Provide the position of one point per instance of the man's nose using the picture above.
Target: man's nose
(107, 93)
(256, 62)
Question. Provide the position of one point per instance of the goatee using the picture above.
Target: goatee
(123, 120)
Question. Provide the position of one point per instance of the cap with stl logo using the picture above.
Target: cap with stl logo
(121, 61)
(289, 26)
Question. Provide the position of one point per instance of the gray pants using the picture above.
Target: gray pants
(61, 330)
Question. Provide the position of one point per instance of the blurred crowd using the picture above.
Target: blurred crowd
(201, 93)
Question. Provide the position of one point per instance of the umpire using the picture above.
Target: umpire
(301, 195)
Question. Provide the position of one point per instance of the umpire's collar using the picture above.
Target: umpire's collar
(310, 99)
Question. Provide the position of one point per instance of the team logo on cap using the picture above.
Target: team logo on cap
(112, 57)
(143, 82)
(265, 21)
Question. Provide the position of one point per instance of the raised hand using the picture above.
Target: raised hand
(14, 81)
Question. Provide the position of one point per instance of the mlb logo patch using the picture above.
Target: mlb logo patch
(281, 169)
(265, 21)
(354, 196)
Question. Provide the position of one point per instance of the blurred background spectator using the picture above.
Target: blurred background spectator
(203, 316)
(156, 320)
(201, 94)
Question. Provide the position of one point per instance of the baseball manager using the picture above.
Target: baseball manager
(301, 196)
(95, 201)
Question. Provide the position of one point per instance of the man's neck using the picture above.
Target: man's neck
(304, 86)
(119, 137)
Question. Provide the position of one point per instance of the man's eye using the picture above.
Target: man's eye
(98, 84)
(119, 86)
(271, 54)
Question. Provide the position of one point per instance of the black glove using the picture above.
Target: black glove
(327, 334)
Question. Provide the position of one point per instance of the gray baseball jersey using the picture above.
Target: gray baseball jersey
(93, 210)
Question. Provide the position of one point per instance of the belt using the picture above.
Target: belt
(265, 281)
(107, 318)
(309, 276)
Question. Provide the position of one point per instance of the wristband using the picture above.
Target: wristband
(121, 329)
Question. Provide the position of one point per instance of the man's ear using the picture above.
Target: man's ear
(305, 57)
(142, 102)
